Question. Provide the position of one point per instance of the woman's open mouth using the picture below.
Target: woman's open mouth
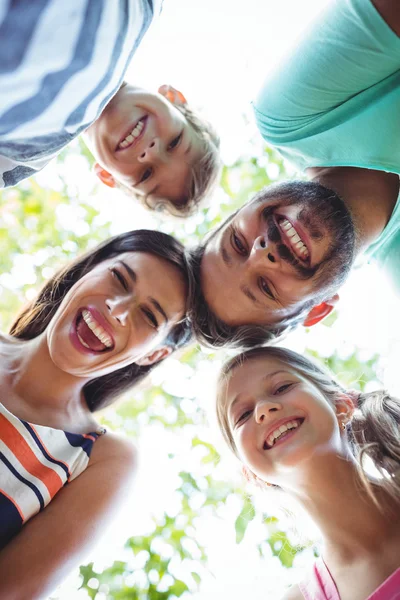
(282, 433)
(90, 335)
(133, 135)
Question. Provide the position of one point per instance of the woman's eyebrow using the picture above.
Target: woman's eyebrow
(158, 307)
(130, 271)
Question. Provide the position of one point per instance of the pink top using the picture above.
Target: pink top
(320, 586)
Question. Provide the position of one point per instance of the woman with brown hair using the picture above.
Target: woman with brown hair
(95, 330)
(294, 427)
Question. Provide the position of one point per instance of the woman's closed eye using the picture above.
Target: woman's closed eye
(150, 317)
(120, 278)
(175, 142)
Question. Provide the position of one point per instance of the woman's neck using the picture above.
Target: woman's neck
(38, 382)
(351, 523)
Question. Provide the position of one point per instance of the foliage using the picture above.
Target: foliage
(40, 229)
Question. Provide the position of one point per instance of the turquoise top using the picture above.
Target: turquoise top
(335, 101)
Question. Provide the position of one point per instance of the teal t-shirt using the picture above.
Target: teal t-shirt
(335, 101)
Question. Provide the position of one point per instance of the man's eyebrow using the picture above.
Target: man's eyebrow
(247, 292)
(158, 307)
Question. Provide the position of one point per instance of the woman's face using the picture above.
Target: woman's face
(278, 419)
(117, 314)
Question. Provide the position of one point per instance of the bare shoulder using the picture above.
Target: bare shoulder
(293, 593)
(115, 451)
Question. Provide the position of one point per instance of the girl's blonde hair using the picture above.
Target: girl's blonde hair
(373, 432)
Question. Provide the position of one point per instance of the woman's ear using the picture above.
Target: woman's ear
(171, 94)
(154, 356)
(104, 175)
(319, 312)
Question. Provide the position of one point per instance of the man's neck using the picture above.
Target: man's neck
(370, 195)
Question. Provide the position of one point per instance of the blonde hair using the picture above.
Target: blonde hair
(205, 172)
(373, 431)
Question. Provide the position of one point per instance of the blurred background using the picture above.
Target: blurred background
(191, 528)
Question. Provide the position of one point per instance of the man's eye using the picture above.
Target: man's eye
(264, 287)
(175, 142)
(120, 278)
(145, 175)
(150, 318)
(237, 243)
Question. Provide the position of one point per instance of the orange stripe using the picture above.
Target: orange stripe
(15, 504)
(21, 450)
(89, 437)
(50, 454)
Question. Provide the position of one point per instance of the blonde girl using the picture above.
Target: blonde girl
(293, 426)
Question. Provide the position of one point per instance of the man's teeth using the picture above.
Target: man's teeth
(136, 131)
(276, 434)
(97, 329)
(295, 240)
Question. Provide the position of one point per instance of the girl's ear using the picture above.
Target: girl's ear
(344, 407)
(154, 356)
(172, 94)
(104, 176)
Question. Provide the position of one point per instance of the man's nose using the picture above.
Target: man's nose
(265, 251)
(265, 408)
(152, 152)
(118, 309)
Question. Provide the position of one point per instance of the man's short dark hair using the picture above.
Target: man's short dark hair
(212, 331)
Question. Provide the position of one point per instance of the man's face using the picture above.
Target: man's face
(273, 256)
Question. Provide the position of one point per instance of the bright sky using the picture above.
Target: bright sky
(218, 53)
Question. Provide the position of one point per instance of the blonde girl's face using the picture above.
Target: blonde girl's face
(278, 420)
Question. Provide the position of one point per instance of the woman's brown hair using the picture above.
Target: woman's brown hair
(36, 316)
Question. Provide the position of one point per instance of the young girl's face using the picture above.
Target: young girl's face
(117, 314)
(278, 420)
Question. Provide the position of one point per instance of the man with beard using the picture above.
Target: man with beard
(334, 110)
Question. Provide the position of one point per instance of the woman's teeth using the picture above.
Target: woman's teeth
(295, 240)
(279, 431)
(97, 329)
(136, 131)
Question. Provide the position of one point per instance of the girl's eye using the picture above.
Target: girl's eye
(175, 142)
(146, 174)
(282, 388)
(243, 417)
(237, 243)
(265, 288)
(150, 318)
(120, 278)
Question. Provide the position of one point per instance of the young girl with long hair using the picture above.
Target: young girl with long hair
(95, 330)
(293, 426)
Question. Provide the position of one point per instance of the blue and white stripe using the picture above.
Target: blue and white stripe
(60, 64)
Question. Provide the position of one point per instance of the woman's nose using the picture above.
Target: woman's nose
(118, 310)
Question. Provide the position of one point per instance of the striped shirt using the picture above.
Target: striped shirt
(35, 463)
(61, 62)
